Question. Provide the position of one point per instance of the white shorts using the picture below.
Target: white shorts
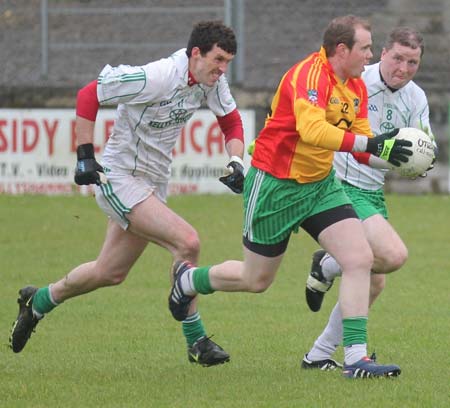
(122, 192)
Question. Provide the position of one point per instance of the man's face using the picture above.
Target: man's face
(207, 69)
(399, 65)
(359, 55)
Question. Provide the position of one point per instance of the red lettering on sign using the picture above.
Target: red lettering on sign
(196, 137)
(3, 141)
(30, 129)
(51, 131)
(36, 188)
(179, 188)
(214, 137)
(194, 125)
(14, 138)
(73, 137)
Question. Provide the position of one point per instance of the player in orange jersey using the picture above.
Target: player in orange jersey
(395, 100)
(320, 107)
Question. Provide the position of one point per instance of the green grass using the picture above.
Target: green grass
(119, 347)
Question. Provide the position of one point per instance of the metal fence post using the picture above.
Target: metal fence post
(239, 21)
(44, 38)
(234, 11)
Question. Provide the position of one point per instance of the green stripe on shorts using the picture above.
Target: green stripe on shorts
(274, 208)
(120, 208)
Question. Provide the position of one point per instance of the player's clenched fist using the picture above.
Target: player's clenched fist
(235, 179)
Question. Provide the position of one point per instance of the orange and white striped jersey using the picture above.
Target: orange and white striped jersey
(313, 114)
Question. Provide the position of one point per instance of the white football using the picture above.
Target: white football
(423, 152)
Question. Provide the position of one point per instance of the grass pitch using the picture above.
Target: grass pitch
(119, 347)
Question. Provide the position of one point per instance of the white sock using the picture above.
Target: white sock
(187, 283)
(37, 315)
(51, 296)
(330, 268)
(354, 353)
(331, 337)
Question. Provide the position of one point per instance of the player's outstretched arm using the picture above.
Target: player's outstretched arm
(88, 170)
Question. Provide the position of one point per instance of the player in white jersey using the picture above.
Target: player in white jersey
(154, 102)
(395, 101)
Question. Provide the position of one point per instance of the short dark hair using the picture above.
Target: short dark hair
(406, 36)
(342, 30)
(206, 34)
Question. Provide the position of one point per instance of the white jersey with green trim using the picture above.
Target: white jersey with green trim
(405, 107)
(154, 103)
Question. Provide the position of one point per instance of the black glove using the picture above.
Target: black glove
(87, 170)
(235, 180)
(391, 150)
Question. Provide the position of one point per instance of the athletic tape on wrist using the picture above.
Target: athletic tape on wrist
(85, 151)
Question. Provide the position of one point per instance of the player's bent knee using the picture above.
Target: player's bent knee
(393, 260)
(401, 257)
(190, 248)
(397, 262)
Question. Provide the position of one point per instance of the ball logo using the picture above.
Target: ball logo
(425, 147)
(425, 143)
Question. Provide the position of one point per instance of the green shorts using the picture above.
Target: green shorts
(274, 208)
(366, 202)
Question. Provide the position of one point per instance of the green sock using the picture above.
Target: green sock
(42, 301)
(355, 330)
(193, 328)
(201, 280)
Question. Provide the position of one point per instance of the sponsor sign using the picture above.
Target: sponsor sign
(38, 151)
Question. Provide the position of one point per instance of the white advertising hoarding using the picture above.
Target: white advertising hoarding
(38, 151)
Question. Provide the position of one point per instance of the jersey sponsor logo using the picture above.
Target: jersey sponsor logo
(334, 100)
(386, 127)
(356, 103)
(373, 108)
(177, 116)
(313, 96)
